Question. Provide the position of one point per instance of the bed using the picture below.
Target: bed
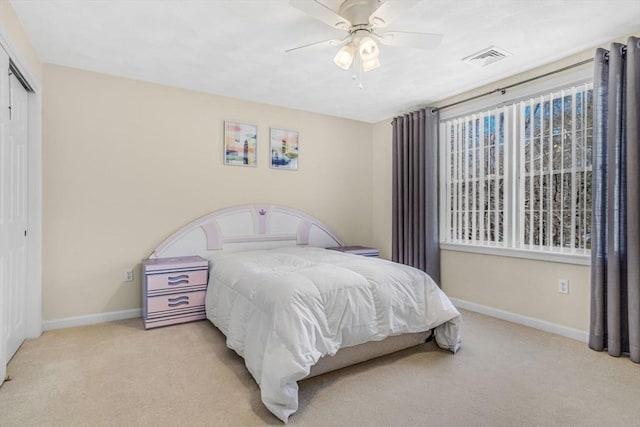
(294, 309)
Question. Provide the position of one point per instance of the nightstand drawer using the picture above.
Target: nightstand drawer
(176, 280)
(175, 303)
(173, 290)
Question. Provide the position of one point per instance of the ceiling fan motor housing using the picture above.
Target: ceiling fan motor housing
(358, 32)
(358, 12)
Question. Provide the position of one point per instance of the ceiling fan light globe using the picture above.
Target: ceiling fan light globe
(371, 64)
(368, 49)
(344, 57)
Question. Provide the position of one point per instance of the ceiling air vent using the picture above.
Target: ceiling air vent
(486, 56)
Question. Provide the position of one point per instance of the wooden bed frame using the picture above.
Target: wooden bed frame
(262, 226)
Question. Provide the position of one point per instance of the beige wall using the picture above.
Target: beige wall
(126, 163)
(556, 65)
(524, 287)
(14, 40)
(382, 181)
(520, 286)
(26, 56)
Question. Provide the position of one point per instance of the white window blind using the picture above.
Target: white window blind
(519, 176)
(475, 181)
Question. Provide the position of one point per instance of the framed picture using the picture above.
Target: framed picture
(284, 149)
(240, 144)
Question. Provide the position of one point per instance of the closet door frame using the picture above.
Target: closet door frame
(34, 203)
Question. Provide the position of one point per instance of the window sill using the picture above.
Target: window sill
(549, 256)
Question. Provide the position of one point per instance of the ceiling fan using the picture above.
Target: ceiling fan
(362, 19)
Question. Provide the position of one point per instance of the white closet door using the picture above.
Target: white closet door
(13, 210)
(4, 246)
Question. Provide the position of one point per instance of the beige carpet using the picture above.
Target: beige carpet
(117, 374)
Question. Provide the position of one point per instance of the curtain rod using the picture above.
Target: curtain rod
(503, 90)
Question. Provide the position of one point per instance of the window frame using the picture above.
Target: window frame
(511, 98)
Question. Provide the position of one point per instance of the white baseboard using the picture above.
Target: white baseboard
(91, 319)
(531, 322)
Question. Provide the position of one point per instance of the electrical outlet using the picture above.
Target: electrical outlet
(128, 275)
(563, 286)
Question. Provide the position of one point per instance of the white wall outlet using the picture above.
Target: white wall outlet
(563, 286)
(128, 275)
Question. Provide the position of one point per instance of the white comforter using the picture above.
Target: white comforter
(283, 309)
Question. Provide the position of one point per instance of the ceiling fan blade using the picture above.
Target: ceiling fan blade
(390, 10)
(322, 13)
(409, 39)
(318, 45)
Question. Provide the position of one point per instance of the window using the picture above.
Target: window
(519, 176)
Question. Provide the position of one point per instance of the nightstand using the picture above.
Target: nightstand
(358, 250)
(173, 290)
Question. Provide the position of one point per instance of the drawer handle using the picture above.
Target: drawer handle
(178, 304)
(176, 280)
(179, 282)
(178, 301)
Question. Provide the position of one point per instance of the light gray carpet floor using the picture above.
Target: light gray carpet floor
(117, 374)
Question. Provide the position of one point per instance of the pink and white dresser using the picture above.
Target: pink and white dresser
(173, 290)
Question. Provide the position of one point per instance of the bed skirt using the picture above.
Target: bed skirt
(370, 350)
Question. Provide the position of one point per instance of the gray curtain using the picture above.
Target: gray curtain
(415, 191)
(615, 247)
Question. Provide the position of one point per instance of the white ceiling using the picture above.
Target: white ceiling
(236, 47)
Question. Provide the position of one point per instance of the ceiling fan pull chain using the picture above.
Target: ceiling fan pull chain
(357, 71)
(360, 85)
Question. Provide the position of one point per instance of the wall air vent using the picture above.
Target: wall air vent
(486, 56)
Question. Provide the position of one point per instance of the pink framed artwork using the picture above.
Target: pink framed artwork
(240, 144)
(284, 146)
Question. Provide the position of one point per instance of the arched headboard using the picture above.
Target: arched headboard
(247, 227)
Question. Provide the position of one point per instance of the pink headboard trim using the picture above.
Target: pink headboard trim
(303, 233)
(261, 215)
(214, 236)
